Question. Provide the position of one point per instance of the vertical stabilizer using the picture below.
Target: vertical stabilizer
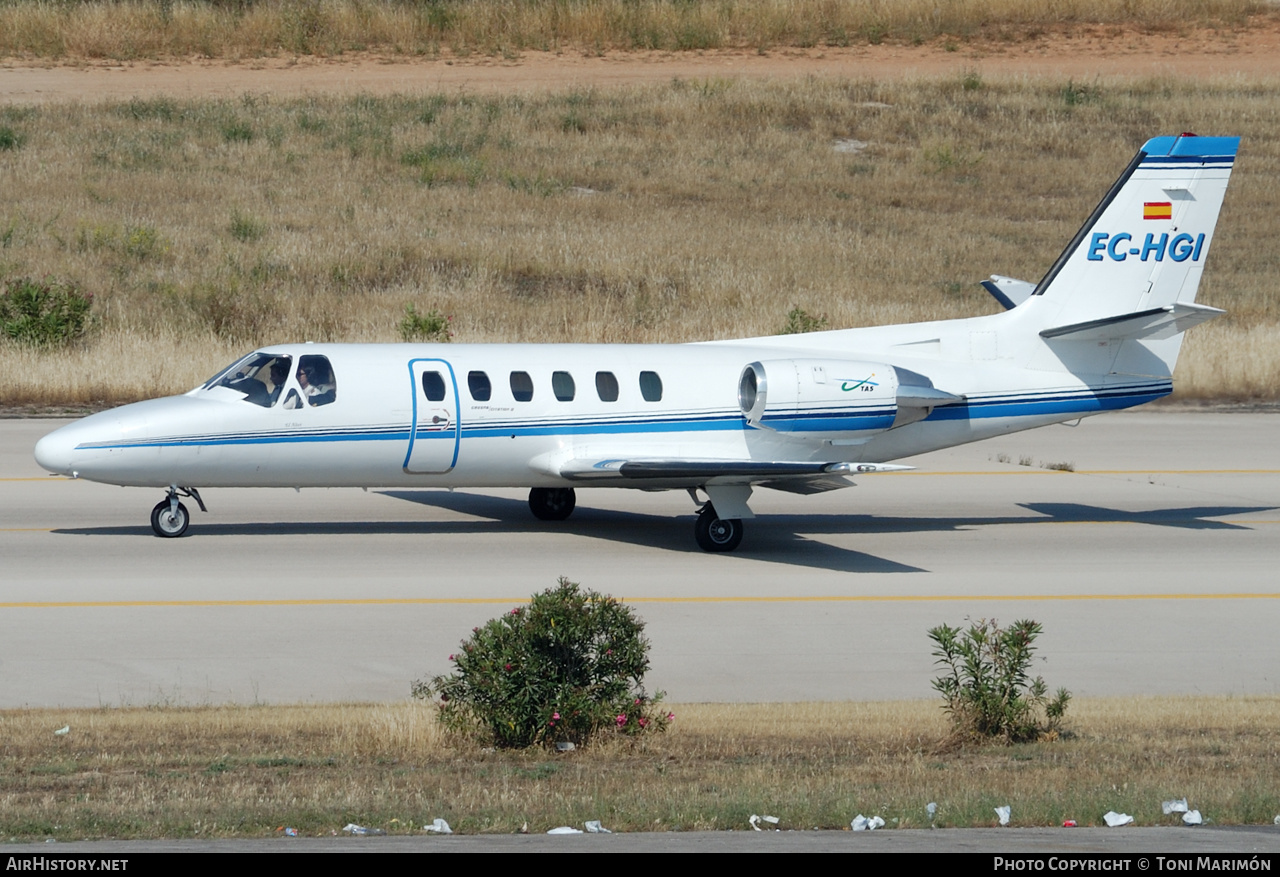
(1142, 252)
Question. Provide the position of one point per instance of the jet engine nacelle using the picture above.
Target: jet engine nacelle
(822, 399)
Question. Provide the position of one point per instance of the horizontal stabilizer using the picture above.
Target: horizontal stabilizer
(1009, 291)
(1155, 324)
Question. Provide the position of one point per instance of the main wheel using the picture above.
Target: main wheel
(716, 534)
(167, 522)
(552, 503)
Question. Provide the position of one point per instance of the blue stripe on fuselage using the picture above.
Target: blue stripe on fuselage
(1014, 405)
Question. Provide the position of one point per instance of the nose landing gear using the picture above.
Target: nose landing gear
(170, 518)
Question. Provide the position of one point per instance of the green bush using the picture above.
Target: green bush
(245, 228)
(431, 326)
(44, 312)
(567, 667)
(800, 321)
(10, 139)
(987, 689)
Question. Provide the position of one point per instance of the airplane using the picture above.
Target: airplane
(1101, 331)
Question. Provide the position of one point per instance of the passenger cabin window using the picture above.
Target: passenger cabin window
(651, 386)
(606, 386)
(261, 377)
(316, 379)
(433, 386)
(562, 386)
(521, 386)
(478, 384)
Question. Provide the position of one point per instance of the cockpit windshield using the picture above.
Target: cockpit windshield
(259, 376)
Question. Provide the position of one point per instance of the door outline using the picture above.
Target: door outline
(428, 462)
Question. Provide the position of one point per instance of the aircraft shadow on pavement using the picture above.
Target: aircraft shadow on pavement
(768, 542)
(773, 538)
(1194, 518)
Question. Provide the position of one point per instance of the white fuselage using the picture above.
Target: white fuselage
(381, 431)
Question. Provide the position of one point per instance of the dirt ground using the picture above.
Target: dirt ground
(1082, 54)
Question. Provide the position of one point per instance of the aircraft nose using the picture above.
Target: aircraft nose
(53, 452)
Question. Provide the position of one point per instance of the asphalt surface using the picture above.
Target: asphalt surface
(1152, 567)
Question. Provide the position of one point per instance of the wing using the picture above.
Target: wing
(806, 477)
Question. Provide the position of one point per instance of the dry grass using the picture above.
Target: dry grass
(178, 772)
(692, 210)
(31, 29)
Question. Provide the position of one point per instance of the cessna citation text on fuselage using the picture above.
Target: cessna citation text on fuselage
(800, 413)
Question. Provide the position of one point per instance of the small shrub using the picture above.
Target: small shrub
(233, 315)
(143, 242)
(44, 312)
(246, 229)
(567, 667)
(10, 139)
(800, 321)
(237, 132)
(1076, 94)
(987, 690)
(431, 326)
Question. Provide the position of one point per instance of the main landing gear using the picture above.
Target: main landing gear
(170, 518)
(715, 533)
(552, 503)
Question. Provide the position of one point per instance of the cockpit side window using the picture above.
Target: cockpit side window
(316, 378)
(260, 377)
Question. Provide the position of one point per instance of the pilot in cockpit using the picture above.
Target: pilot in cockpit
(317, 384)
(279, 374)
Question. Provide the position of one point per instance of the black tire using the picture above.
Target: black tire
(552, 503)
(167, 523)
(716, 534)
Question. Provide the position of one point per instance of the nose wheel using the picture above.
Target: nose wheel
(170, 518)
(715, 533)
(552, 503)
(169, 521)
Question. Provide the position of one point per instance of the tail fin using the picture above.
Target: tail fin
(1131, 272)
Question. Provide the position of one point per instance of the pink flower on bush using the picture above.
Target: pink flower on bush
(670, 716)
(642, 722)
(620, 721)
(555, 715)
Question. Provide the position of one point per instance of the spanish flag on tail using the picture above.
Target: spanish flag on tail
(1157, 210)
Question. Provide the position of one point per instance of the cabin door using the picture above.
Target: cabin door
(434, 434)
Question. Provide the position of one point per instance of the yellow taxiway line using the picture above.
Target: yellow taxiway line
(445, 601)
